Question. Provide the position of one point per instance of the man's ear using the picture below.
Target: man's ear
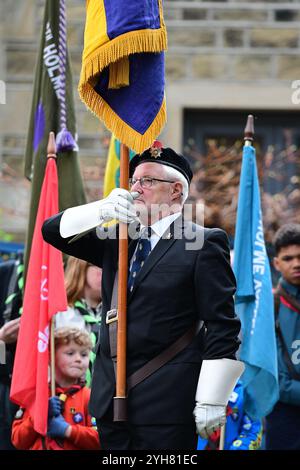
(177, 190)
(276, 263)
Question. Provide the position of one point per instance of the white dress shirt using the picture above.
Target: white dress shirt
(160, 227)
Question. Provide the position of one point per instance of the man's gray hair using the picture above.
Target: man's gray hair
(173, 174)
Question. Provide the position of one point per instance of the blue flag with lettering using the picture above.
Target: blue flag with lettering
(254, 302)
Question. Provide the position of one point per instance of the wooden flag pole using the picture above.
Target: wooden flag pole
(120, 410)
(51, 153)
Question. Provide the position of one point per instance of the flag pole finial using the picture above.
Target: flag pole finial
(249, 130)
(51, 148)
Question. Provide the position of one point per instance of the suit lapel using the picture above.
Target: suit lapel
(163, 245)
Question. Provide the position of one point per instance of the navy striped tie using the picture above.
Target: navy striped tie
(142, 251)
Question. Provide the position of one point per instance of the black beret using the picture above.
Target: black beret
(164, 156)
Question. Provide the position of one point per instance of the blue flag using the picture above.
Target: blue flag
(254, 299)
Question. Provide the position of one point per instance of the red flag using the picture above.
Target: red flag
(44, 296)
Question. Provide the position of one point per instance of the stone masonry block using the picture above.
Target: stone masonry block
(233, 37)
(209, 66)
(21, 62)
(19, 18)
(191, 37)
(252, 67)
(242, 15)
(176, 66)
(274, 37)
(288, 67)
(194, 14)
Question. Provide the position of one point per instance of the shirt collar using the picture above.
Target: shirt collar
(94, 310)
(163, 224)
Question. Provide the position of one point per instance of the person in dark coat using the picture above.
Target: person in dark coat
(10, 304)
(179, 279)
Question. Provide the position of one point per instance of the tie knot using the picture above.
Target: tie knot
(146, 232)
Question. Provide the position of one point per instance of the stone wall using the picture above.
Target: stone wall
(230, 55)
(222, 54)
(233, 40)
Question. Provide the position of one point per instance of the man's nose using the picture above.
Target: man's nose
(296, 263)
(138, 187)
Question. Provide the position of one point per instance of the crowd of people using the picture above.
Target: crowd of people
(181, 327)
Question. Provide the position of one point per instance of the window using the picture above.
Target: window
(213, 141)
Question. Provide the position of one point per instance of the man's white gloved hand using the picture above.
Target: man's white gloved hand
(209, 418)
(117, 205)
(216, 381)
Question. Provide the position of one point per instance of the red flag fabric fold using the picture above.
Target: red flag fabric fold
(44, 296)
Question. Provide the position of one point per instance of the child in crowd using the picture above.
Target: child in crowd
(83, 288)
(70, 427)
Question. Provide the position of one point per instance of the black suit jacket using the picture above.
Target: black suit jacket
(175, 287)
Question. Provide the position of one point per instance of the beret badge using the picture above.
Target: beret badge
(156, 149)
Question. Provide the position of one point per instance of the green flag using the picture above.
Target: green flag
(53, 110)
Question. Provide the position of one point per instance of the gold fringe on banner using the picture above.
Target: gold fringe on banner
(123, 131)
(146, 40)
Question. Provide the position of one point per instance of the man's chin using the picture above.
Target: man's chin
(295, 280)
(142, 212)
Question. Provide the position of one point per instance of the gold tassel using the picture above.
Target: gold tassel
(133, 42)
(119, 73)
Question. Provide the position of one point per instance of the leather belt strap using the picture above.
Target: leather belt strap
(112, 322)
(165, 356)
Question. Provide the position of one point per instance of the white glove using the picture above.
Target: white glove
(216, 382)
(117, 205)
(209, 418)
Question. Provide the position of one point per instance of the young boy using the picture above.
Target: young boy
(283, 423)
(69, 424)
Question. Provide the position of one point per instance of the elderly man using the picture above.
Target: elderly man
(180, 297)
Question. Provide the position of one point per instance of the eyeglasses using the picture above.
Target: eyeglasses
(146, 181)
